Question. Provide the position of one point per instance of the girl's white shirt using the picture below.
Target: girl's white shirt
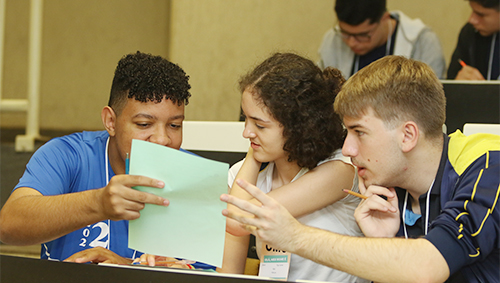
(337, 217)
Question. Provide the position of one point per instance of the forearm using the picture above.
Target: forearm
(377, 259)
(318, 188)
(249, 172)
(235, 254)
(34, 219)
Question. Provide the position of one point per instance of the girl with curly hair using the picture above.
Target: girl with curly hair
(295, 157)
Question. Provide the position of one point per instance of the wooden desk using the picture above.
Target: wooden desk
(22, 270)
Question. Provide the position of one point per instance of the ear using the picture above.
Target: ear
(411, 135)
(385, 16)
(108, 117)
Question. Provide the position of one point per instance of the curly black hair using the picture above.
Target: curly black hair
(300, 97)
(148, 78)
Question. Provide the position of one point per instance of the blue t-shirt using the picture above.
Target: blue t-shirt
(71, 164)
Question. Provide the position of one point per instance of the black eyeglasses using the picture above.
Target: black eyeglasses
(360, 37)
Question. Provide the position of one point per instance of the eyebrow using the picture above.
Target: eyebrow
(479, 13)
(149, 116)
(258, 119)
(354, 126)
(144, 115)
(177, 117)
(354, 34)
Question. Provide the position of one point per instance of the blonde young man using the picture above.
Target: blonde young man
(440, 219)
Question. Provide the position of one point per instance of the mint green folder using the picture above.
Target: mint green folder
(192, 227)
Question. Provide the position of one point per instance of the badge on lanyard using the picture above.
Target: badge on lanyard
(274, 263)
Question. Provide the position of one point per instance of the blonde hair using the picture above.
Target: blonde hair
(397, 89)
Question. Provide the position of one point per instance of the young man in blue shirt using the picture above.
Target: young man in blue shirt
(74, 194)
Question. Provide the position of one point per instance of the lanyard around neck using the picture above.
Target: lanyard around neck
(427, 201)
(106, 161)
(492, 52)
(107, 182)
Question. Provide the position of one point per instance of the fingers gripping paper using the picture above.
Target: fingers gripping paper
(192, 226)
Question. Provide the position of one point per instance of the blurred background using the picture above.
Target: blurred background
(214, 41)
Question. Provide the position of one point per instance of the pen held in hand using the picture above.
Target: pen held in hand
(360, 195)
(355, 194)
(462, 63)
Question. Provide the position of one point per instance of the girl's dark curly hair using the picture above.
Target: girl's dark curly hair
(300, 97)
(148, 78)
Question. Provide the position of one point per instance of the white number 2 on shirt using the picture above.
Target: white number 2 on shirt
(97, 242)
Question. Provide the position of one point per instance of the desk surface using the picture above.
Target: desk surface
(19, 269)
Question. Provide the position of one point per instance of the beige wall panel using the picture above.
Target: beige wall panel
(217, 41)
(82, 43)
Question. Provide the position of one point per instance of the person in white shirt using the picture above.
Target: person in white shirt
(294, 157)
(366, 31)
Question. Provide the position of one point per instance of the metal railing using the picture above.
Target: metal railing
(30, 105)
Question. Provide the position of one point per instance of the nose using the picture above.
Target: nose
(247, 132)
(160, 137)
(351, 41)
(349, 149)
(473, 20)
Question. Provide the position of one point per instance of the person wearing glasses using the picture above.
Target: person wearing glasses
(366, 31)
(476, 56)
